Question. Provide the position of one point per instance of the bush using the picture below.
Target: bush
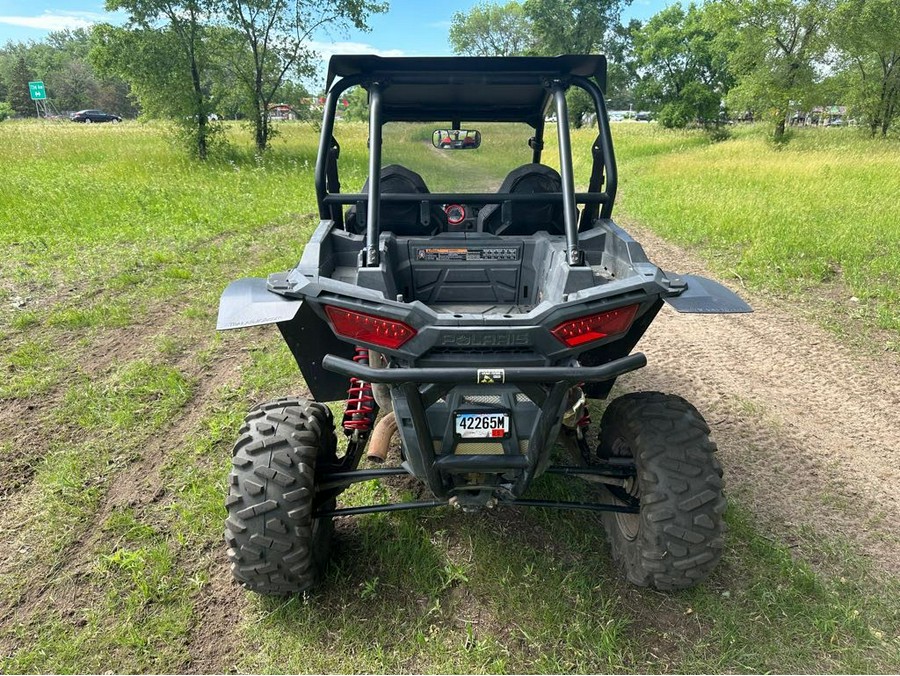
(675, 115)
(695, 103)
(718, 133)
(5, 110)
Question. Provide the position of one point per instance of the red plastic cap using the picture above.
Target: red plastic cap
(583, 330)
(367, 328)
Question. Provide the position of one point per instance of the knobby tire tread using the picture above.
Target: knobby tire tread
(680, 536)
(274, 544)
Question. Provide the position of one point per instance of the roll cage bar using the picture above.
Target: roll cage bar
(596, 201)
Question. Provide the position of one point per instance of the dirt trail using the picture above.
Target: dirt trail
(808, 431)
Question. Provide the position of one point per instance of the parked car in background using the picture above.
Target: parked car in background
(643, 116)
(94, 116)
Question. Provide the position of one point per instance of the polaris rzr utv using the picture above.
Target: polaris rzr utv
(477, 325)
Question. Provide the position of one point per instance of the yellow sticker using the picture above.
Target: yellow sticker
(491, 376)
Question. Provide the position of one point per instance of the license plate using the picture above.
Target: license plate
(482, 425)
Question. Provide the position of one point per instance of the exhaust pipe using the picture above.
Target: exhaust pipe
(380, 443)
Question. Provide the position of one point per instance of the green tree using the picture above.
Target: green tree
(684, 65)
(867, 36)
(576, 27)
(73, 86)
(19, 97)
(488, 29)
(357, 105)
(72, 81)
(623, 66)
(60, 60)
(778, 45)
(163, 54)
(573, 26)
(72, 43)
(276, 45)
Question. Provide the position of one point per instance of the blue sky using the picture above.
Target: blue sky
(410, 27)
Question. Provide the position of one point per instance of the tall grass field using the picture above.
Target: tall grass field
(119, 404)
(819, 212)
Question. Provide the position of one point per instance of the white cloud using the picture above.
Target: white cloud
(54, 20)
(90, 16)
(327, 49)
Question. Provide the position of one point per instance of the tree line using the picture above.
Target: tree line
(698, 63)
(186, 60)
(61, 61)
(690, 64)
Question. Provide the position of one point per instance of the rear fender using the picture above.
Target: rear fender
(703, 296)
(248, 302)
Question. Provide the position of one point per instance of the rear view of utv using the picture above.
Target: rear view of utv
(475, 327)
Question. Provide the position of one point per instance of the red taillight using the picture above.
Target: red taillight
(365, 328)
(583, 330)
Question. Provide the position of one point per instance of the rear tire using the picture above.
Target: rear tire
(677, 538)
(275, 545)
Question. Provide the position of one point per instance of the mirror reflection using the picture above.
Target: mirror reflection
(456, 139)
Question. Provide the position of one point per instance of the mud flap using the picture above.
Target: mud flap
(248, 302)
(310, 338)
(703, 296)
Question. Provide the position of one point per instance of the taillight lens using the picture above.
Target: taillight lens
(368, 328)
(583, 330)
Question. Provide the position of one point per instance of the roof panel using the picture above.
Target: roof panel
(465, 88)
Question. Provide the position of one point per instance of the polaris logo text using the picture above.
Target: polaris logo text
(485, 340)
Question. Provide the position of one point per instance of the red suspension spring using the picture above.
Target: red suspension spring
(359, 415)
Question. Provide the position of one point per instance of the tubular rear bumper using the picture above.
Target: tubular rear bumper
(486, 376)
(425, 401)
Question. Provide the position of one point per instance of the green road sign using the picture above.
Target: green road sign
(37, 90)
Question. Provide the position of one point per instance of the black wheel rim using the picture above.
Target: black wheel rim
(629, 524)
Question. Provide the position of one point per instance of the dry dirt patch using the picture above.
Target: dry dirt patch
(808, 431)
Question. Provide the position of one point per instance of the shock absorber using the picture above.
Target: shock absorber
(359, 414)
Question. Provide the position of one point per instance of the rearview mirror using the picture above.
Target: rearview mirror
(456, 139)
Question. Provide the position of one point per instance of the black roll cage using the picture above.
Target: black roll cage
(596, 201)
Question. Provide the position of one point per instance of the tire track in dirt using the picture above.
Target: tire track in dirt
(807, 430)
(27, 423)
(64, 588)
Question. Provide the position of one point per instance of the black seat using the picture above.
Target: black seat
(401, 218)
(527, 218)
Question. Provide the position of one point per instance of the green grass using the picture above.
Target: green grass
(819, 212)
(31, 367)
(114, 520)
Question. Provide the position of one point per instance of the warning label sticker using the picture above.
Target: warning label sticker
(468, 254)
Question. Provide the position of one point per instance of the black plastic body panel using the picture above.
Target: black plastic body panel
(310, 339)
(705, 296)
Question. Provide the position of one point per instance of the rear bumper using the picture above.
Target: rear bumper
(486, 376)
(426, 401)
